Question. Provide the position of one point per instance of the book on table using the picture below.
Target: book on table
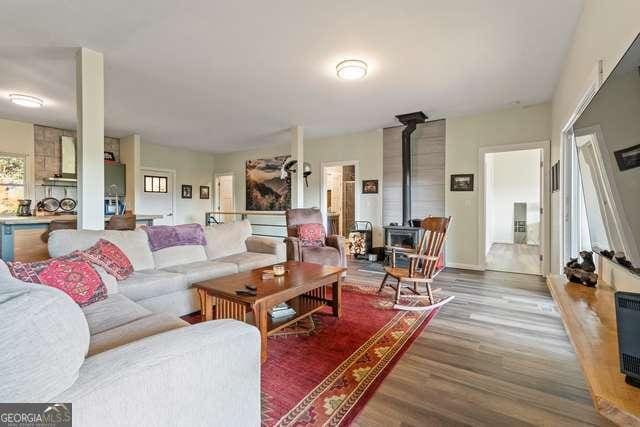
(281, 310)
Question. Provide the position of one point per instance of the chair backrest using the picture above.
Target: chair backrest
(295, 217)
(430, 246)
(121, 222)
(58, 224)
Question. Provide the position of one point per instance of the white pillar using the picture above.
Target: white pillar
(297, 153)
(90, 140)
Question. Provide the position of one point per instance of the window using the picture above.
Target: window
(155, 184)
(12, 182)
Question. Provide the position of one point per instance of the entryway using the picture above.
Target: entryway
(339, 196)
(513, 205)
(157, 195)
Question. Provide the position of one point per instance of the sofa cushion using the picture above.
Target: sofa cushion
(44, 338)
(133, 331)
(204, 270)
(227, 239)
(133, 243)
(116, 310)
(151, 283)
(110, 257)
(250, 260)
(323, 255)
(177, 255)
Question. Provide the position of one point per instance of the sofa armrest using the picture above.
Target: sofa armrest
(185, 377)
(338, 242)
(293, 249)
(267, 245)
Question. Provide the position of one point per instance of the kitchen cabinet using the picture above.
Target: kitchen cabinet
(114, 179)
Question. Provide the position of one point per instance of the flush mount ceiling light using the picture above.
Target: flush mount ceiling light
(26, 100)
(351, 69)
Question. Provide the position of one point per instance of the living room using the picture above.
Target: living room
(283, 213)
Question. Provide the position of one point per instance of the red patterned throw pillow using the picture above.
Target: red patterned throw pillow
(71, 274)
(110, 257)
(311, 235)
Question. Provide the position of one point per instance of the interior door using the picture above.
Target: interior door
(224, 197)
(159, 200)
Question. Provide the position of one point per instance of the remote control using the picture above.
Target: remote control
(251, 287)
(246, 292)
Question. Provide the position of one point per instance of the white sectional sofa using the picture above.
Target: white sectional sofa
(162, 280)
(129, 360)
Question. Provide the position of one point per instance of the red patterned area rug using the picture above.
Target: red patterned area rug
(326, 377)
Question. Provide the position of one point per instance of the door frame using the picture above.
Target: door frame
(216, 193)
(172, 172)
(323, 186)
(545, 198)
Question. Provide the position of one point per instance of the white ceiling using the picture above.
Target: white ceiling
(227, 75)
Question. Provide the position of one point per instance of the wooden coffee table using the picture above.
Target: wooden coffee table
(303, 287)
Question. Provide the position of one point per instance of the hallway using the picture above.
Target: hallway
(514, 258)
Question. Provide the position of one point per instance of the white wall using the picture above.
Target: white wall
(465, 135)
(512, 177)
(17, 138)
(366, 148)
(605, 30)
(130, 157)
(192, 167)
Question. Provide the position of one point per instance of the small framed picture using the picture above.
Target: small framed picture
(187, 191)
(462, 182)
(628, 158)
(109, 156)
(369, 186)
(204, 191)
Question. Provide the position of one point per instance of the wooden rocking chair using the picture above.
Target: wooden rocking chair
(422, 266)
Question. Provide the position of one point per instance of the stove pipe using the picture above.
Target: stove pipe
(410, 121)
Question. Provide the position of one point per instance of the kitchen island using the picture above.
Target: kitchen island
(21, 235)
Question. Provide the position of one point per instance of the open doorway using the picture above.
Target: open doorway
(224, 197)
(339, 196)
(513, 210)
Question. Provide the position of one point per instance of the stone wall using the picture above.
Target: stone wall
(47, 155)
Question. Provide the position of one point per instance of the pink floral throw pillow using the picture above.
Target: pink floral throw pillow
(311, 235)
(110, 257)
(71, 274)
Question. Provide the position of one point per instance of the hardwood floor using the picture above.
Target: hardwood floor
(514, 258)
(496, 355)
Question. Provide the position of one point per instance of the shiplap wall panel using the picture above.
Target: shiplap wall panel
(427, 171)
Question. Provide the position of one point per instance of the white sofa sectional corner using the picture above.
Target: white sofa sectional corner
(162, 280)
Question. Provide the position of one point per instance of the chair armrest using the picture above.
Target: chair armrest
(338, 242)
(267, 245)
(293, 249)
(188, 376)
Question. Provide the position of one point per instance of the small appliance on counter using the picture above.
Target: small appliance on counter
(24, 207)
(114, 206)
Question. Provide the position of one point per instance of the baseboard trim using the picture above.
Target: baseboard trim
(464, 266)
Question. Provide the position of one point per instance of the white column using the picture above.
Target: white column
(297, 153)
(90, 141)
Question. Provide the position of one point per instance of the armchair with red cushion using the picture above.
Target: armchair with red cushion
(308, 242)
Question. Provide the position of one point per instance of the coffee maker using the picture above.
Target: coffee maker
(24, 207)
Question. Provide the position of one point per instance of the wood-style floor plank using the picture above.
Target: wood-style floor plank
(496, 355)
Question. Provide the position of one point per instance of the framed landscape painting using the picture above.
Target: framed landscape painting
(266, 190)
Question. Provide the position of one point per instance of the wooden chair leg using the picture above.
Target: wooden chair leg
(383, 282)
(430, 293)
(398, 293)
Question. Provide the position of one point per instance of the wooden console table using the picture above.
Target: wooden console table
(590, 320)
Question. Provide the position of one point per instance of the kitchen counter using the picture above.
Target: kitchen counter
(12, 220)
(21, 236)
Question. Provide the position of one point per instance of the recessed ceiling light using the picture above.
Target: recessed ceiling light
(26, 100)
(351, 69)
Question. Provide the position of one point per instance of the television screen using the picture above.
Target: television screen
(607, 141)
